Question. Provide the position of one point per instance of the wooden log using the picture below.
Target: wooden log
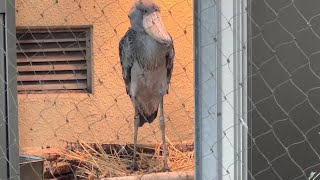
(157, 176)
(50, 154)
(57, 169)
(63, 177)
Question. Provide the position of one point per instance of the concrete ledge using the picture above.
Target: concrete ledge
(158, 176)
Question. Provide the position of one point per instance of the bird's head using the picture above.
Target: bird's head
(145, 17)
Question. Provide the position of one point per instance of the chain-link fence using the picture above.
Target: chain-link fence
(72, 103)
(284, 89)
(265, 82)
(9, 140)
(253, 77)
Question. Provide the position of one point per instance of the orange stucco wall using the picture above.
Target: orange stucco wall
(106, 115)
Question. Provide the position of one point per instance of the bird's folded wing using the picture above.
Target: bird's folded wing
(169, 63)
(126, 59)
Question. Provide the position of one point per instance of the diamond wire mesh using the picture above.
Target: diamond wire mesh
(52, 122)
(284, 83)
(283, 78)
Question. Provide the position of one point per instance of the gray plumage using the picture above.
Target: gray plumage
(146, 54)
(146, 68)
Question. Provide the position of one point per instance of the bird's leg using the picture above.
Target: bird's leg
(134, 165)
(164, 147)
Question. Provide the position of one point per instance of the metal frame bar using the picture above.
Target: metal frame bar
(227, 89)
(241, 95)
(3, 128)
(244, 72)
(225, 25)
(8, 96)
(89, 60)
(2, 7)
(206, 120)
(249, 86)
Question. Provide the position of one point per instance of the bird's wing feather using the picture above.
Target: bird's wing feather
(126, 59)
(169, 63)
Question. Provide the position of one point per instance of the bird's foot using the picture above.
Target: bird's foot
(166, 169)
(133, 166)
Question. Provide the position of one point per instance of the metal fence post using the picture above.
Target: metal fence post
(220, 89)
(206, 131)
(9, 142)
(3, 141)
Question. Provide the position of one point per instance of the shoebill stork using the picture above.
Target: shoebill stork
(146, 55)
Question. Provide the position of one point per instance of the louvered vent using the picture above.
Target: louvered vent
(53, 59)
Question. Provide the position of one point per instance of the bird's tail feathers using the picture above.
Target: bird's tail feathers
(147, 118)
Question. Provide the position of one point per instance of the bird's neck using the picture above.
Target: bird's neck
(138, 29)
(151, 53)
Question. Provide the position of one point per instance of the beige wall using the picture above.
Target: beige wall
(105, 115)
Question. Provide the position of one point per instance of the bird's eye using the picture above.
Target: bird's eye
(145, 11)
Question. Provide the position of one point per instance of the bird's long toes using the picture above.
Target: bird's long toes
(133, 166)
(166, 169)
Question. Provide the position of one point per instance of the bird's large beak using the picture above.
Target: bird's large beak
(154, 27)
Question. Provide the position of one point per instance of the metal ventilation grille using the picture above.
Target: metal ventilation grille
(53, 59)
